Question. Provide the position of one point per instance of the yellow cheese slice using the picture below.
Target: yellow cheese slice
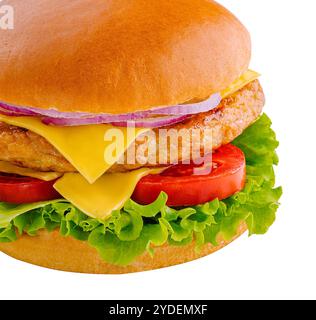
(245, 79)
(7, 167)
(83, 146)
(108, 193)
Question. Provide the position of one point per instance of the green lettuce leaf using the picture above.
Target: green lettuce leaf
(129, 232)
(9, 211)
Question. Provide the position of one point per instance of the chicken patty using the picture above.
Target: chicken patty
(234, 114)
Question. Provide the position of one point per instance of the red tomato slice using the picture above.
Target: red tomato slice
(18, 190)
(187, 187)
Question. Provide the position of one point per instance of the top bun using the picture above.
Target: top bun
(119, 56)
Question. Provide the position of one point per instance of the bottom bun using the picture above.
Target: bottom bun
(51, 250)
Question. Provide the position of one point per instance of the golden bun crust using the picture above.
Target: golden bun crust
(51, 250)
(119, 56)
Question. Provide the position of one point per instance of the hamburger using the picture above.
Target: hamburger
(95, 175)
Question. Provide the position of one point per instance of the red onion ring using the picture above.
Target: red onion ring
(145, 123)
(9, 113)
(153, 122)
(173, 114)
(182, 109)
(51, 113)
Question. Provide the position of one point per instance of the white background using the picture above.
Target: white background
(281, 264)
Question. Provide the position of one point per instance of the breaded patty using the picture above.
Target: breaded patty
(228, 121)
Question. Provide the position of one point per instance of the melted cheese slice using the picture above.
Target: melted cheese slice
(107, 194)
(83, 146)
(7, 167)
(245, 79)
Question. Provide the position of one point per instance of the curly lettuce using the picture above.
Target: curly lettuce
(131, 231)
